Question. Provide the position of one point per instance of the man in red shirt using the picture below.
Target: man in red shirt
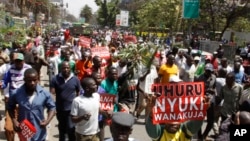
(66, 35)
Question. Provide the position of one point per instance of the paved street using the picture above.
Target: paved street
(139, 131)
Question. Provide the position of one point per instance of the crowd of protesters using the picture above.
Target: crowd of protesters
(78, 78)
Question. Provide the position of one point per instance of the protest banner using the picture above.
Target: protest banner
(179, 102)
(103, 52)
(27, 130)
(130, 38)
(107, 101)
(84, 41)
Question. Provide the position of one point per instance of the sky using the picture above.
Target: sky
(75, 6)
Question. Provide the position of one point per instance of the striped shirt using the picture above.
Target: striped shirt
(15, 78)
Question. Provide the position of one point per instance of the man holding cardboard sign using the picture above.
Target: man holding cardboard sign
(178, 113)
(32, 100)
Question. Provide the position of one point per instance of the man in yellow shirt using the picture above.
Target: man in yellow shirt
(167, 70)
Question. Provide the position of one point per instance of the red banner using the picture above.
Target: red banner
(27, 130)
(103, 52)
(179, 102)
(130, 38)
(107, 101)
(84, 41)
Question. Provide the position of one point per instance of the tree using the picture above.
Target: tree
(215, 15)
(70, 18)
(37, 6)
(221, 15)
(86, 12)
(54, 13)
(107, 12)
(160, 13)
(133, 6)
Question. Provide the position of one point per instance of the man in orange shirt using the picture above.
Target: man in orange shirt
(84, 66)
(167, 70)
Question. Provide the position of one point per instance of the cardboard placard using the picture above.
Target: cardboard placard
(84, 41)
(27, 130)
(130, 38)
(179, 102)
(102, 52)
(107, 101)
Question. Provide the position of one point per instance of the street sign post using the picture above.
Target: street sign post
(124, 16)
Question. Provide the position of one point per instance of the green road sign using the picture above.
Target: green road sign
(191, 9)
(82, 20)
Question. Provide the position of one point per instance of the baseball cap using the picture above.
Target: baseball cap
(18, 56)
(197, 58)
(209, 66)
(174, 78)
(123, 119)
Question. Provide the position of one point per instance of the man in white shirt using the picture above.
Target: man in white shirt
(122, 67)
(85, 110)
(187, 70)
(145, 82)
(77, 51)
(3, 69)
(224, 65)
(180, 61)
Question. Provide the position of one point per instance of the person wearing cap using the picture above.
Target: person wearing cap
(174, 79)
(215, 61)
(196, 65)
(209, 80)
(14, 78)
(200, 68)
(121, 127)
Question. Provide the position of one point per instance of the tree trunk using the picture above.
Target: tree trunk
(21, 8)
